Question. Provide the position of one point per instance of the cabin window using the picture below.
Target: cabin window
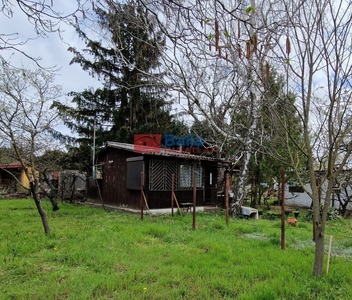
(160, 175)
(186, 176)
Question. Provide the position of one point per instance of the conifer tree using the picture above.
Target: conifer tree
(125, 58)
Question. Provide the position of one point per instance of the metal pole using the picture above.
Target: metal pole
(194, 200)
(227, 186)
(142, 204)
(282, 209)
(329, 254)
(172, 193)
(93, 160)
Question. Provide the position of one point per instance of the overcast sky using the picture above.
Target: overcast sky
(51, 49)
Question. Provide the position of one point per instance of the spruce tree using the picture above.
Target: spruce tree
(132, 98)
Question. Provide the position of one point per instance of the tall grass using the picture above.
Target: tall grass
(95, 254)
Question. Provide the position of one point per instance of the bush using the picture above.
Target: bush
(333, 214)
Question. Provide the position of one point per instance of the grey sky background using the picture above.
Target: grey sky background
(51, 49)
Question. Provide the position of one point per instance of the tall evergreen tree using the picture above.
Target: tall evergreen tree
(126, 61)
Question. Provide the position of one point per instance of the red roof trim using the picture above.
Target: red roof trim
(11, 166)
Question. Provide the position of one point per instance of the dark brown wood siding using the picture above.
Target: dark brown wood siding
(114, 189)
(114, 186)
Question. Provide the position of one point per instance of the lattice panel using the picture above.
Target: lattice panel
(160, 175)
(160, 178)
(172, 168)
(156, 177)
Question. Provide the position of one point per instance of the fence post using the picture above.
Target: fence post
(194, 200)
(282, 209)
(172, 193)
(227, 187)
(142, 203)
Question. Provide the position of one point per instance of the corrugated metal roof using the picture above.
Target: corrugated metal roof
(146, 150)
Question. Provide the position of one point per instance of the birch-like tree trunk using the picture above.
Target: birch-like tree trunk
(213, 65)
(216, 80)
(254, 107)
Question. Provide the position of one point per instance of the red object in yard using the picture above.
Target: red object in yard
(292, 221)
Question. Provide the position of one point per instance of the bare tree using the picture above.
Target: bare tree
(313, 49)
(26, 121)
(217, 64)
(219, 55)
(45, 16)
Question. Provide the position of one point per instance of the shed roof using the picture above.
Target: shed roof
(146, 150)
(12, 165)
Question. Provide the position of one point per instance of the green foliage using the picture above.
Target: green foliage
(250, 9)
(133, 95)
(95, 254)
(279, 120)
(6, 155)
(332, 215)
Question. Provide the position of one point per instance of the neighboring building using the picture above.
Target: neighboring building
(296, 196)
(72, 184)
(12, 176)
(68, 184)
(121, 168)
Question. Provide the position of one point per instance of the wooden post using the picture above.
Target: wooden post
(227, 186)
(172, 193)
(178, 206)
(142, 202)
(146, 203)
(282, 209)
(194, 200)
(329, 254)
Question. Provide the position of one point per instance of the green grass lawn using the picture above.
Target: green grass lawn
(95, 254)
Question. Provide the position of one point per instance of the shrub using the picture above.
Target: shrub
(333, 214)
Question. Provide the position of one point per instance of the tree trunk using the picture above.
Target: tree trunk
(319, 252)
(41, 211)
(240, 189)
(253, 111)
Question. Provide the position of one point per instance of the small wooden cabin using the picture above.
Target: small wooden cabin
(123, 169)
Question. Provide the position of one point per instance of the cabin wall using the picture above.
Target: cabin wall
(113, 183)
(9, 183)
(204, 196)
(114, 179)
